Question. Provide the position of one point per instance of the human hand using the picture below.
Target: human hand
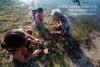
(38, 51)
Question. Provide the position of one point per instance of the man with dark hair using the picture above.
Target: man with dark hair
(34, 11)
(40, 10)
(15, 39)
(19, 45)
(39, 17)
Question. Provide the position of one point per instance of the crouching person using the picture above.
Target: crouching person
(61, 22)
(39, 18)
(19, 45)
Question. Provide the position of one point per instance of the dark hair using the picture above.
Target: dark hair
(40, 10)
(14, 39)
(34, 11)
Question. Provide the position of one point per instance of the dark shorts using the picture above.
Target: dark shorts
(31, 63)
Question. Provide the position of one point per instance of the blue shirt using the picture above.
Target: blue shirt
(65, 25)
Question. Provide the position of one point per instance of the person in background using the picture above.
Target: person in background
(61, 22)
(34, 11)
(19, 45)
(39, 17)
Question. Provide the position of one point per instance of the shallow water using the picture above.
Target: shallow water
(48, 4)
